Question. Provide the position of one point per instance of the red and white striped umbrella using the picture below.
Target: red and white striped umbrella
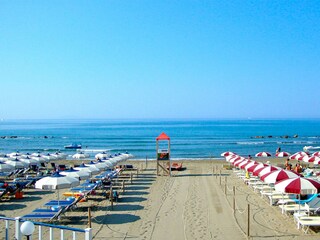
(236, 163)
(225, 154)
(256, 167)
(316, 154)
(298, 185)
(312, 159)
(269, 168)
(298, 156)
(250, 164)
(244, 163)
(282, 154)
(278, 175)
(263, 154)
(230, 157)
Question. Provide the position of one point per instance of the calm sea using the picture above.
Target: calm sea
(189, 138)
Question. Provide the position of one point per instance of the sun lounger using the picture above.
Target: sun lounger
(292, 208)
(45, 215)
(308, 221)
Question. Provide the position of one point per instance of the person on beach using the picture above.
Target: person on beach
(278, 150)
(288, 165)
(298, 168)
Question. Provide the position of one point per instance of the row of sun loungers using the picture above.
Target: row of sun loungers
(53, 209)
(306, 213)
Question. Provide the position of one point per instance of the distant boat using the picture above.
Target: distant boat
(73, 146)
(310, 148)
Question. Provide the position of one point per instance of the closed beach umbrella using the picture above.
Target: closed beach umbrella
(226, 154)
(278, 175)
(282, 154)
(263, 154)
(81, 175)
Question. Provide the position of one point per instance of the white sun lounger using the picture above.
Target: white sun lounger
(292, 208)
(308, 221)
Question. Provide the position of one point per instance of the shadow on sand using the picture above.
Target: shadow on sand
(125, 199)
(116, 218)
(11, 206)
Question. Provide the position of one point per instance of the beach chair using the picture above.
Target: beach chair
(305, 222)
(43, 216)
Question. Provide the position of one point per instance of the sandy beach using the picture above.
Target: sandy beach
(195, 203)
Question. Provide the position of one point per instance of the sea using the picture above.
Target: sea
(190, 139)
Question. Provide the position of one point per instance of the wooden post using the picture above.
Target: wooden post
(216, 172)
(111, 198)
(123, 186)
(131, 177)
(146, 162)
(220, 177)
(234, 199)
(248, 229)
(89, 217)
(225, 188)
(212, 169)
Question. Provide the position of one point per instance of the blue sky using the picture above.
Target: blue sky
(159, 59)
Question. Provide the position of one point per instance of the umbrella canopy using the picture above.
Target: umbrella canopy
(40, 158)
(226, 154)
(29, 161)
(282, 154)
(317, 154)
(96, 165)
(101, 155)
(235, 158)
(81, 175)
(250, 164)
(266, 170)
(278, 175)
(56, 181)
(298, 156)
(90, 169)
(5, 167)
(236, 163)
(312, 159)
(17, 164)
(80, 155)
(298, 185)
(244, 163)
(263, 154)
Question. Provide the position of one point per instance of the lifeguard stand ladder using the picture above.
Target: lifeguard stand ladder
(163, 156)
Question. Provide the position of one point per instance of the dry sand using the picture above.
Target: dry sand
(190, 205)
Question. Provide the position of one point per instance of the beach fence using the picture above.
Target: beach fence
(12, 231)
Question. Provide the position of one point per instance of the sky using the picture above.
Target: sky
(159, 59)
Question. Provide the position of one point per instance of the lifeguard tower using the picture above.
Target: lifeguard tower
(163, 155)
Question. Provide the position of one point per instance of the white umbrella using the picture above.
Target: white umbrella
(107, 162)
(5, 167)
(278, 175)
(81, 175)
(263, 154)
(17, 164)
(29, 161)
(48, 157)
(86, 168)
(101, 155)
(226, 154)
(282, 154)
(40, 158)
(15, 154)
(56, 182)
(100, 165)
(80, 155)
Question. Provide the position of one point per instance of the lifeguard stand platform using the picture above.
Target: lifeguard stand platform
(163, 155)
